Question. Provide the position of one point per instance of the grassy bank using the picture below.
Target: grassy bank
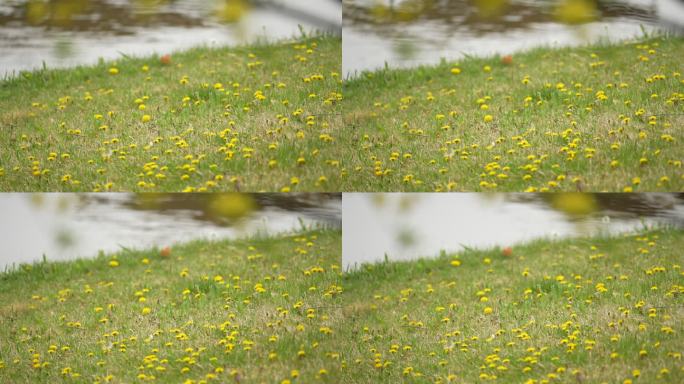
(273, 310)
(251, 118)
(595, 118)
(576, 311)
(255, 310)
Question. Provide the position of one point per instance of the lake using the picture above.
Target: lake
(63, 33)
(405, 226)
(407, 33)
(65, 226)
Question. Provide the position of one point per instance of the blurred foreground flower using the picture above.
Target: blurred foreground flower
(574, 203)
(231, 11)
(56, 12)
(232, 206)
(576, 11)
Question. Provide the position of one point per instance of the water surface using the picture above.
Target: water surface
(404, 226)
(64, 226)
(407, 33)
(62, 33)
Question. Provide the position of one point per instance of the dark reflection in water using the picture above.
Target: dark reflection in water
(467, 15)
(125, 17)
(583, 206)
(409, 226)
(70, 32)
(95, 16)
(66, 226)
(413, 32)
(317, 206)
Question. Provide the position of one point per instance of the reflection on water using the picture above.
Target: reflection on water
(404, 33)
(407, 226)
(69, 32)
(65, 226)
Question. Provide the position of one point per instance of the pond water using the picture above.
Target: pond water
(408, 225)
(407, 33)
(66, 226)
(63, 33)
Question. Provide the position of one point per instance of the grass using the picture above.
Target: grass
(593, 118)
(270, 117)
(595, 310)
(274, 310)
(252, 310)
(249, 118)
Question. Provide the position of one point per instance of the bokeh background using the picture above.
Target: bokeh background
(59, 33)
(405, 226)
(65, 226)
(407, 33)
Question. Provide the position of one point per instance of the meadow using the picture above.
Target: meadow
(280, 310)
(586, 310)
(604, 117)
(256, 310)
(260, 117)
